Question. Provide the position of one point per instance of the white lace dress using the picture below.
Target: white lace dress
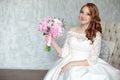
(77, 47)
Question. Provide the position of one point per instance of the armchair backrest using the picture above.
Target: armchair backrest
(111, 32)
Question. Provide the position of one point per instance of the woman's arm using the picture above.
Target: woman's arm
(64, 51)
(79, 63)
(57, 47)
(95, 51)
(74, 63)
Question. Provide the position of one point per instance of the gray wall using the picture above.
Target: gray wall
(22, 45)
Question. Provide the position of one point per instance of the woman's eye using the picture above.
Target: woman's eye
(85, 13)
(88, 14)
(81, 12)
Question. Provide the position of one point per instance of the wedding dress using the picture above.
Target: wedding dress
(77, 47)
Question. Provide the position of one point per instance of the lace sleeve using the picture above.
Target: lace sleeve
(95, 51)
(65, 48)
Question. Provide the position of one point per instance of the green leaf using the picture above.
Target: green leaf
(63, 23)
(44, 33)
(48, 29)
(53, 21)
(48, 48)
(52, 24)
(63, 20)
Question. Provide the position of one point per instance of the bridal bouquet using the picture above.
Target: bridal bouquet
(52, 27)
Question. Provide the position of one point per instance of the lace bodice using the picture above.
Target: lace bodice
(80, 47)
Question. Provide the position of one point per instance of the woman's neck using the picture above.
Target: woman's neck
(84, 26)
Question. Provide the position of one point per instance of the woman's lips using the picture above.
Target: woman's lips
(82, 19)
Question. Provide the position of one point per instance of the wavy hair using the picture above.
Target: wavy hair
(94, 25)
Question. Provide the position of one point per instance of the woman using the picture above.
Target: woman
(81, 50)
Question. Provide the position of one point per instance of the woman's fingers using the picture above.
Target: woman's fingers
(67, 66)
(62, 69)
(47, 37)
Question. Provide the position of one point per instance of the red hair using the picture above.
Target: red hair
(94, 25)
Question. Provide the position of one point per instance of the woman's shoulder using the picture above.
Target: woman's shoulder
(98, 33)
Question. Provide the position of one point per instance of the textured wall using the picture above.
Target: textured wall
(21, 44)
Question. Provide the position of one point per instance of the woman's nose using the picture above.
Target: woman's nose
(83, 15)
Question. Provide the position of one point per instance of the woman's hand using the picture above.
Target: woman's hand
(52, 40)
(55, 45)
(65, 67)
(74, 63)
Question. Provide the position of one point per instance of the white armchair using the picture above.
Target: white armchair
(111, 32)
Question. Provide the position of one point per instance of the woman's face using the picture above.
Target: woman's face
(85, 15)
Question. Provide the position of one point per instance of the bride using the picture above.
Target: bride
(79, 55)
